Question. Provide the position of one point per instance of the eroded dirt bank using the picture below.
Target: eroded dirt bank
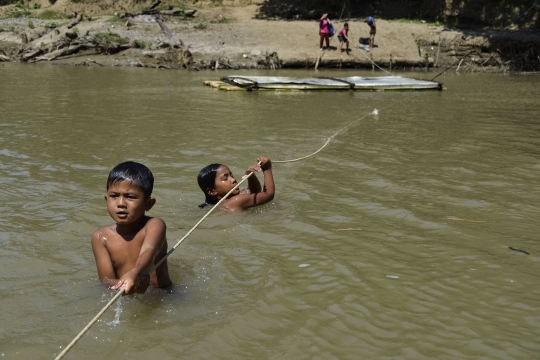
(234, 38)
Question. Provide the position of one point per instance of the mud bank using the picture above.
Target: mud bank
(233, 38)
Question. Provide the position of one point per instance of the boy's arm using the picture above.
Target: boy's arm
(153, 241)
(104, 264)
(246, 201)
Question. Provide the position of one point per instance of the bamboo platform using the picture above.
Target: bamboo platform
(354, 83)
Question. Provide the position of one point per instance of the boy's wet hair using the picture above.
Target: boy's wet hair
(135, 173)
(346, 25)
(207, 180)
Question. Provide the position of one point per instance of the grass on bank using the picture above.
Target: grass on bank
(109, 36)
(142, 44)
(49, 15)
(420, 22)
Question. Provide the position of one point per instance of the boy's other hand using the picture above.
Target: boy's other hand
(266, 164)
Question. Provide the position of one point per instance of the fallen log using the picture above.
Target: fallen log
(55, 54)
(170, 12)
(5, 58)
(174, 12)
(31, 54)
(163, 27)
(78, 19)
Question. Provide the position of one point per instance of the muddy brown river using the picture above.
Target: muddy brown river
(391, 243)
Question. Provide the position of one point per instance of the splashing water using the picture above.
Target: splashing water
(117, 310)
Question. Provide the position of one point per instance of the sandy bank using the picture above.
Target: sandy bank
(232, 38)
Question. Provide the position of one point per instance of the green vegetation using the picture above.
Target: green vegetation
(109, 36)
(1, 29)
(36, 6)
(20, 11)
(416, 21)
(78, 1)
(51, 25)
(142, 44)
(75, 30)
(175, 6)
(115, 19)
(109, 41)
(48, 15)
(201, 26)
(30, 24)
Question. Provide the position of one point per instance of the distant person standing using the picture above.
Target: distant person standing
(343, 37)
(371, 22)
(324, 31)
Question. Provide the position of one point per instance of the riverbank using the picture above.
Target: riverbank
(234, 38)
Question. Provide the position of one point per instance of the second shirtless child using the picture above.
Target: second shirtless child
(216, 180)
(128, 249)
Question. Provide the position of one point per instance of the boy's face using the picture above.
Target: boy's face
(126, 202)
(225, 181)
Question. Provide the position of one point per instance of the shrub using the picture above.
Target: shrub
(36, 6)
(201, 26)
(30, 24)
(141, 44)
(50, 25)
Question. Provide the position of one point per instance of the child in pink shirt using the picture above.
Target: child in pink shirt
(343, 37)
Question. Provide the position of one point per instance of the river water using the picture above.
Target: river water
(391, 243)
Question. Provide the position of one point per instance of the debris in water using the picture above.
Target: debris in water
(349, 229)
(522, 251)
(458, 219)
(392, 276)
(375, 112)
(303, 265)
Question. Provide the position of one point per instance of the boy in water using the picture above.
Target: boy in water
(128, 249)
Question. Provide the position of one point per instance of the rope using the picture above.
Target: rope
(388, 72)
(470, 52)
(87, 327)
(121, 291)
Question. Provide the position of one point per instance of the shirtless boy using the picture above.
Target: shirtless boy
(128, 249)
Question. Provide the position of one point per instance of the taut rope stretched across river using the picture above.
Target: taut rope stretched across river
(121, 291)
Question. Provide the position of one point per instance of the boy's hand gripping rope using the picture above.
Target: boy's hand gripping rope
(121, 291)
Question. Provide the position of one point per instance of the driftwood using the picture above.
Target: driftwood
(163, 27)
(78, 19)
(170, 12)
(155, 5)
(31, 54)
(4, 58)
(55, 54)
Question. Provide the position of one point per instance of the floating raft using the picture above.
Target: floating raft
(357, 83)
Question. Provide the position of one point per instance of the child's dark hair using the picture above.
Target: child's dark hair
(135, 173)
(346, 25)
(207, 180)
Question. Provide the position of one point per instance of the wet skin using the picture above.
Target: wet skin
(127, 250)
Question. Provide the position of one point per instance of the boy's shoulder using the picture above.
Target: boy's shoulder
(103, 234)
